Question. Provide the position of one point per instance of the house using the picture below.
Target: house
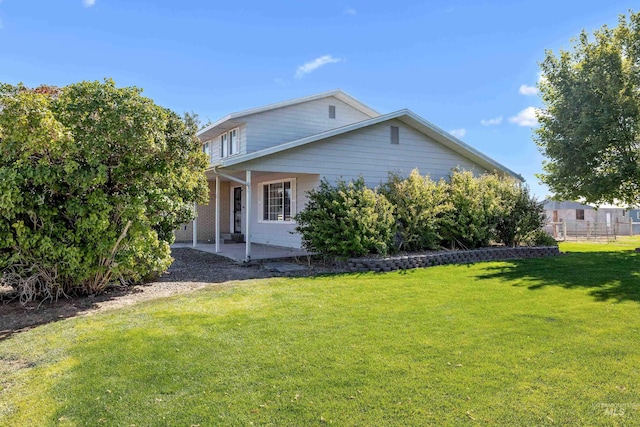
(575, 219)
(264, 160)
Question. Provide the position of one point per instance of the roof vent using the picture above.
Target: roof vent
(395, 135)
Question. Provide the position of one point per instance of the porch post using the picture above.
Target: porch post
(217, 213)
(195, 226)
(247, 226)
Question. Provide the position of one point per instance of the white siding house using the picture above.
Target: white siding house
(279, 152)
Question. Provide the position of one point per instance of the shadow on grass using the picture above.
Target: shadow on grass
(608, 275)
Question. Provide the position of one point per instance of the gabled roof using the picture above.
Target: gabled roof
(406, 116)
(234, 119)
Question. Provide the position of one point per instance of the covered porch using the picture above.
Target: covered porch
(249, 215)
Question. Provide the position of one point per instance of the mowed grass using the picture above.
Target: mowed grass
(533, 342)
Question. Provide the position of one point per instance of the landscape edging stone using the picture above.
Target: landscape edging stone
(405, 262)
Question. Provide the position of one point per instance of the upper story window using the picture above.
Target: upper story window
(332, 111)
(207, 149)
(230, 143)
(233, 142)
(579, 213)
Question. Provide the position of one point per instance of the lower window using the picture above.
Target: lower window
(277, 201)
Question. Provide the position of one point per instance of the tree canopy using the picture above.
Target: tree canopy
(93, 181)
(590, 126)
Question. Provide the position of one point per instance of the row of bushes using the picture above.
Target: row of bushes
(416, 213)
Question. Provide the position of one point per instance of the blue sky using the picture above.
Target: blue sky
(467, 66)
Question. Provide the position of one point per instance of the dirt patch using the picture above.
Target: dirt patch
(190, 271)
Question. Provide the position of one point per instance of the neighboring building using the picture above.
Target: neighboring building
(581, 220)
(273, 155)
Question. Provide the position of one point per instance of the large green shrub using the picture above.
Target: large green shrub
(476, 208)
(420, 206)
(346, 220)
(490, 208)
(93, 179)
(521, 214)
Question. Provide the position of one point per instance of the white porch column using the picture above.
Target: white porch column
(247, 226)
(217, 214)
(195, 225)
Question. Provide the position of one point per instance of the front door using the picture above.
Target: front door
(237, 209)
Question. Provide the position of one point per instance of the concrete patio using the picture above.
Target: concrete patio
(236, 251)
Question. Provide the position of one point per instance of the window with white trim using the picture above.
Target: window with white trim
(230, 143)
(278, 201)
(224, 145)
(233, 142)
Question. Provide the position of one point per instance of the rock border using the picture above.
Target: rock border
(361, 265)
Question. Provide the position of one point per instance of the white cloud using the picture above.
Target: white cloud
(526, 117)
(88, 3)
(311, 66)
(491, 122)
(527, 90)
(349, 11)
(458, 133)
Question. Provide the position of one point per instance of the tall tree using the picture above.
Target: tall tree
(590, 126)
(93, 179)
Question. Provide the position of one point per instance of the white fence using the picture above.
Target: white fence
(587, 230)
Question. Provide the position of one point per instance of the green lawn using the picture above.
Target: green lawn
(533, 342)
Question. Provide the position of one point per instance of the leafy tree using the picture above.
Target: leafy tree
(420, 206)
(346, 220)
(590, 127)
(93, 180)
